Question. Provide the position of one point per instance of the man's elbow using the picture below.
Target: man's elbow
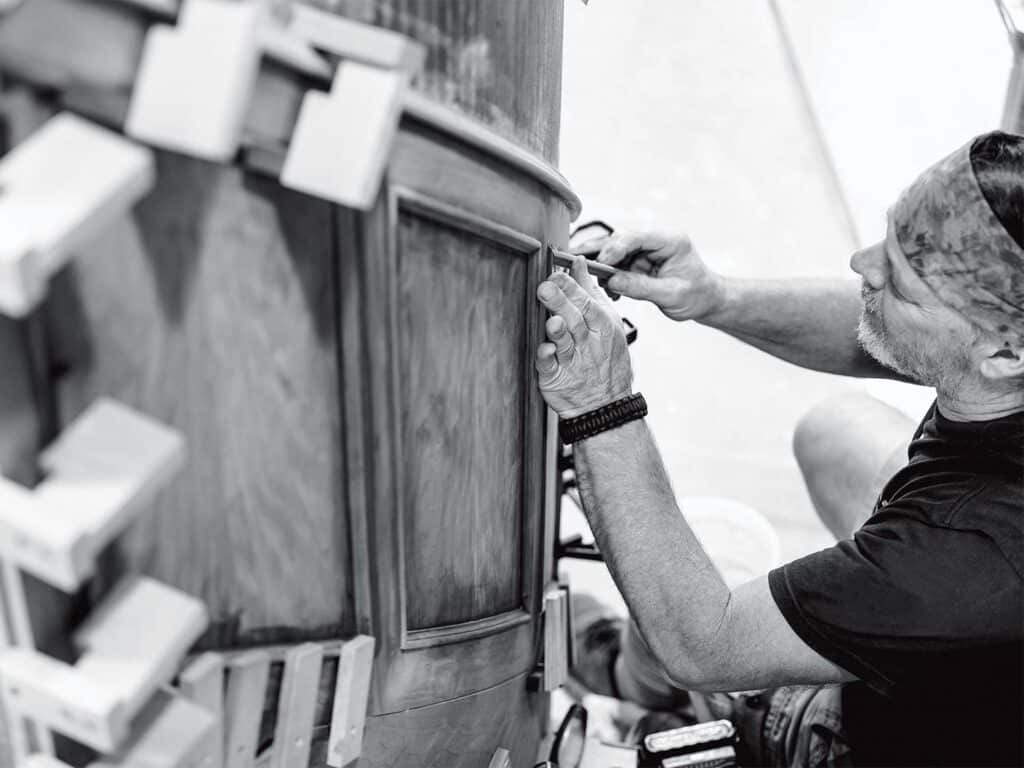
(692, 672)
(701, 664)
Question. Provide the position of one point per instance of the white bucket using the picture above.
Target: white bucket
(739, 540)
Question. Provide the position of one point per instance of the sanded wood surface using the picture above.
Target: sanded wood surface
(462, 347)
(211, 310)
(456, 734)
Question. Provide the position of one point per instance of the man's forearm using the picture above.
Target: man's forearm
(673, 591)
(811, 323)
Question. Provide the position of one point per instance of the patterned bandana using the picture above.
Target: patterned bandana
(954, 241)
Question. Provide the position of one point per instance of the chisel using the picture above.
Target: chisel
(601, 271)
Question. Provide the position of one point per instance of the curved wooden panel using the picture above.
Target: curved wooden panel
(457, 734)
(461, 347)
(500, 62)
(214, 310)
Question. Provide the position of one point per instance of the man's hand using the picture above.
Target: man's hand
(586, 363)
(664, 270)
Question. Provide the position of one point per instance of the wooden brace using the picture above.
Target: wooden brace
(130, 646)
(103, 469)
(58, 189)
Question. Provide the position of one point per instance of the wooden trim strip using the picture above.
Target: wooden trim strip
(469, 131)
(467, 630)
(456, 217)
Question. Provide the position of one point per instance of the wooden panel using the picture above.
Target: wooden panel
(461, 347)
(505, 221)
(456, 734)
(498, 62)
(212, 310)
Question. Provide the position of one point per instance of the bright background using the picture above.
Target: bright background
(776, 134)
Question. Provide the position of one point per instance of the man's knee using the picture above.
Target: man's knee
(842, 446)
(851, 426)
(814, 431)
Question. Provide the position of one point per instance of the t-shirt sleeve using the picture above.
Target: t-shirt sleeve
(899, 596)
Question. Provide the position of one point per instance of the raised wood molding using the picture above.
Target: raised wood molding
(470, 132)
(402, 198)
(467, 630)
(415, 665)
(459, 218)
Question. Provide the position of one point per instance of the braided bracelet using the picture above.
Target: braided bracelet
(609, 416)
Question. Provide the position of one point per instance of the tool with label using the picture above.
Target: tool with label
(704, 745)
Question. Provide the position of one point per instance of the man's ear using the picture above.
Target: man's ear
(1004, 361)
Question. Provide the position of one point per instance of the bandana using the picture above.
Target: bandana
(954, 241)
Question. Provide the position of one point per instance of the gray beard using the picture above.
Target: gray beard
(875, 340)
(915, 363)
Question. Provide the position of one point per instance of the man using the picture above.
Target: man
(908, 632)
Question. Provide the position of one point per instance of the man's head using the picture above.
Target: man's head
(944, 293)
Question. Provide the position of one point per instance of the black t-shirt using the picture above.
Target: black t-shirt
(925, 603)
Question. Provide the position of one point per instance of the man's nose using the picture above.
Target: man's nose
(871, 264)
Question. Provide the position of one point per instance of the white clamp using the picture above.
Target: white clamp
(354, 40)
(556, 647)
(40, 760)
(101, 471)
(129, 647)
(342, 139)
(195, 80)
(170, 732)
(59, 188)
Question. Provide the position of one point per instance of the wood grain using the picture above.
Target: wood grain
(501, 210)
(211, 310)
(461, 342)
(457, 734)
(498, 62)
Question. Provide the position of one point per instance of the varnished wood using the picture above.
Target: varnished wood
(476, 135)
(211, 310)
(425, 668)
(460, 300)
(459, 734)
(498, 62)
(287, 339)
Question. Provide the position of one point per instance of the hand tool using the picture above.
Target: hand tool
(601, 271)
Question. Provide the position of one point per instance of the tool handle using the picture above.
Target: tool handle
(601, 271)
